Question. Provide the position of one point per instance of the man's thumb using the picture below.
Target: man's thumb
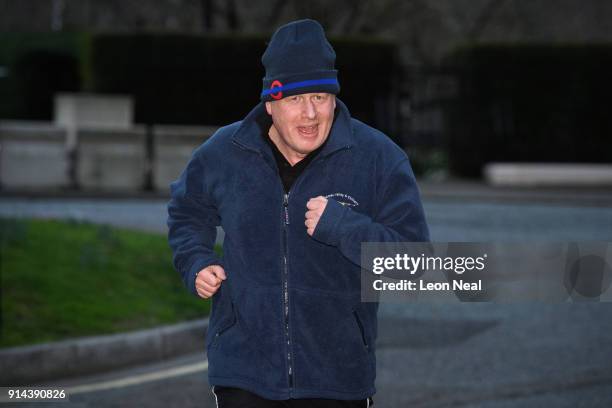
(219, 272)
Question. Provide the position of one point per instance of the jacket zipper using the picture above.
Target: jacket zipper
(285, 223)
(286, 288)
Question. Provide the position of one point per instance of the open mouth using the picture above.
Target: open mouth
(308, 130)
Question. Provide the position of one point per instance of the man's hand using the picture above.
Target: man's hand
(209, 280)
(315, 206)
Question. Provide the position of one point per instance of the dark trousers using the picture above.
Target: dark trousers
(228, 397)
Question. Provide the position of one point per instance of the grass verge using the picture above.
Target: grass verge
(63, 279)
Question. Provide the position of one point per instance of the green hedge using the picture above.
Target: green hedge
(217, 80)
(532, 103)
(179, 79)
(38, 66)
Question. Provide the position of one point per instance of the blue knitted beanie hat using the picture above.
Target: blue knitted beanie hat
(298, 60)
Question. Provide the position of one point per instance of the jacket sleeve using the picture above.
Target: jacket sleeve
(399, 217)
(192, 222)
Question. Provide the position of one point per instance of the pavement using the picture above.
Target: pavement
(453, 189)
(94, 354)
(429, 355)
(477, 191)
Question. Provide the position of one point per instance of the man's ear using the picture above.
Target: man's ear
(269, 108)
(334, 101)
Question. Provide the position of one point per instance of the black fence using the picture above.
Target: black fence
(182, 79)
(534, 103)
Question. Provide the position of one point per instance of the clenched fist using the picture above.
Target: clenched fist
(315, 206)
(208, 280)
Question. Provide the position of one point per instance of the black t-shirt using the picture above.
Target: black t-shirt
(286, 171)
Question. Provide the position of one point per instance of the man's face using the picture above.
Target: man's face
(301, 123)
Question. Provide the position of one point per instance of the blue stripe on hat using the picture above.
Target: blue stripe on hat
(294, 85)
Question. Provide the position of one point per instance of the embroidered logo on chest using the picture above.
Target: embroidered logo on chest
(343, 199)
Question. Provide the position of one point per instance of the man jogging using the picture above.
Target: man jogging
(297, 186)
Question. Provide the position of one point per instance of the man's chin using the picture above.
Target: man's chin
(307, 149)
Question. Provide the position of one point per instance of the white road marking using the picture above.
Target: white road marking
(138, 379)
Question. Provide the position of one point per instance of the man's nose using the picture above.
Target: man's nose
(308, 110)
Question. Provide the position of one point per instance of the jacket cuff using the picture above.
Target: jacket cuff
(328, 228)
(196, 267)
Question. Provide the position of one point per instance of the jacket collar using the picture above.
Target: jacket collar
(340, 134)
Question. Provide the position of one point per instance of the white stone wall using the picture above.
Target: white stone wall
(35, 156)
(111, 160)
(173, 148)
(32, 156)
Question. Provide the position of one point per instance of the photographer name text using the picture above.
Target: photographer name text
(415, 264)
(423, 285)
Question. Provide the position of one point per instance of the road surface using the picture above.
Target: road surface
(429, 355)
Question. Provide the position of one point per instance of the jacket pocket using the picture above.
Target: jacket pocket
(224, 326)
(362, 331)
(331, 340)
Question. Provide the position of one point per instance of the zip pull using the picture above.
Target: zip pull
(286, 205)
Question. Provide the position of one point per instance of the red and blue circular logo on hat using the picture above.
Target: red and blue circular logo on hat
(277, 95)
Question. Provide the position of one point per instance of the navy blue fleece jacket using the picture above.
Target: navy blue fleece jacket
(288, 321)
